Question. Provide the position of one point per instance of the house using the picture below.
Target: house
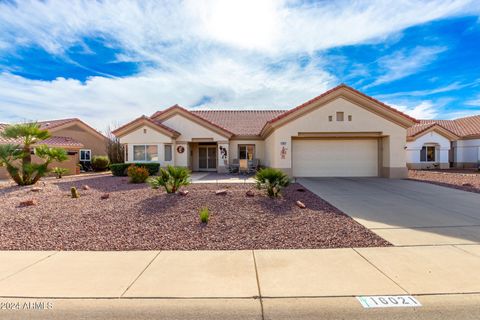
(444, 143)
(342, 132)
(81, 141)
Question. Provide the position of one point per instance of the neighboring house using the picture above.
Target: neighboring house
(81, 141)
(444, 143)
(342, 132)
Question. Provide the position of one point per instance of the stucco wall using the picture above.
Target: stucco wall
(467, 153)
(88, 139)
(317, 121)
(431, 138)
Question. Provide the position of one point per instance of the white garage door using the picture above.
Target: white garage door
(335, 158)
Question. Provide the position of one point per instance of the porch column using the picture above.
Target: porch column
(222, 152)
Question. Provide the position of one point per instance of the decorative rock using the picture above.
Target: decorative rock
(467, 185)
(183, 192)
(36, 189)
(105, 196)
(27, 203)
(221, 192)
(85, 187)
(250, 193)
(300, 204)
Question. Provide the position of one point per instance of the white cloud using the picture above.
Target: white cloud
(220, 48)
(401, 64)
(424, 110)
(474, 102)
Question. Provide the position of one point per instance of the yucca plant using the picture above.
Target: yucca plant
(18, 157)
(272, 180)
(171, 179)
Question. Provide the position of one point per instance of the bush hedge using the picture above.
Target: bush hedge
(100, 163)
(120, 169)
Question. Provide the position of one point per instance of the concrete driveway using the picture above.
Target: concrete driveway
(404, 212)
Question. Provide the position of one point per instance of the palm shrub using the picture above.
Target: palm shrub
(272, 180)
(18, 158)
(59, 172)
(100, 163)
(171, 179)
(137, 174)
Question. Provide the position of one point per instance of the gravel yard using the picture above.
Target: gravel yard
(136, 217)
(467, 179)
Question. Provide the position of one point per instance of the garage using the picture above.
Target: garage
(335, 158)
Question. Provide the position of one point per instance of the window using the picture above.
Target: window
(349, 118)
(427, 154)
(339, 116)
(168, 152)
(85, 154)
(145, 152)
(246, 151)
(330, 118)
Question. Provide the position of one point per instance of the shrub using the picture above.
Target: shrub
(171, 179)
(137, 174)
(100, 163)
(272, 180)
(74, 192)
(59, 172)
(204, 215)
(120, 169)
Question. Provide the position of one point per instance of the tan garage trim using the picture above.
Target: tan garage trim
(335, 157)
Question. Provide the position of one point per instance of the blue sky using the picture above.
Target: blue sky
(111, 61)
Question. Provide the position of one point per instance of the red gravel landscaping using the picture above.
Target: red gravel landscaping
(466, 179)
(135, 217)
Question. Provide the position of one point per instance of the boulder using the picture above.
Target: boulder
(36, 189)
(467, 185)
(300, 204)
(105, 196)
(221, 192)
(27, 203)
(85, 187)
(183, 192)
(250, 193)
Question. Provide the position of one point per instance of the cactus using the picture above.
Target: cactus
(74, 192)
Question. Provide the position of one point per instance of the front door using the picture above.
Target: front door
(207, 158)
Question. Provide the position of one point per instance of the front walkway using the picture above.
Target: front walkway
(241, 274)
(213, 177)
(404, 212)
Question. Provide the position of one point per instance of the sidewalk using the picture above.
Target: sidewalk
(347, 272)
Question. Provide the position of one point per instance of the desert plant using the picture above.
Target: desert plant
(120, 169)
(100, 163)
(18, 157)
(74, 192)
(204, 215)
(59, 172)
(137, 174)
(171, 179)
(272, 180)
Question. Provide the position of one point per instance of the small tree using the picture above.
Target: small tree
(115, 149)
(18, 158)
(272, 180)
(171, 179)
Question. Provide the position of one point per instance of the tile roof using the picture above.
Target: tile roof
(153, 122)
(49, 124)
(239, 122)
(64, 142)
(462, 127)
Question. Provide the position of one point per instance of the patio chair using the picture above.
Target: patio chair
(233, 167)
(253, 165)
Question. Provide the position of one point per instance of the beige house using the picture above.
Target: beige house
(81, 141)
(342, 132)
(444, 143)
